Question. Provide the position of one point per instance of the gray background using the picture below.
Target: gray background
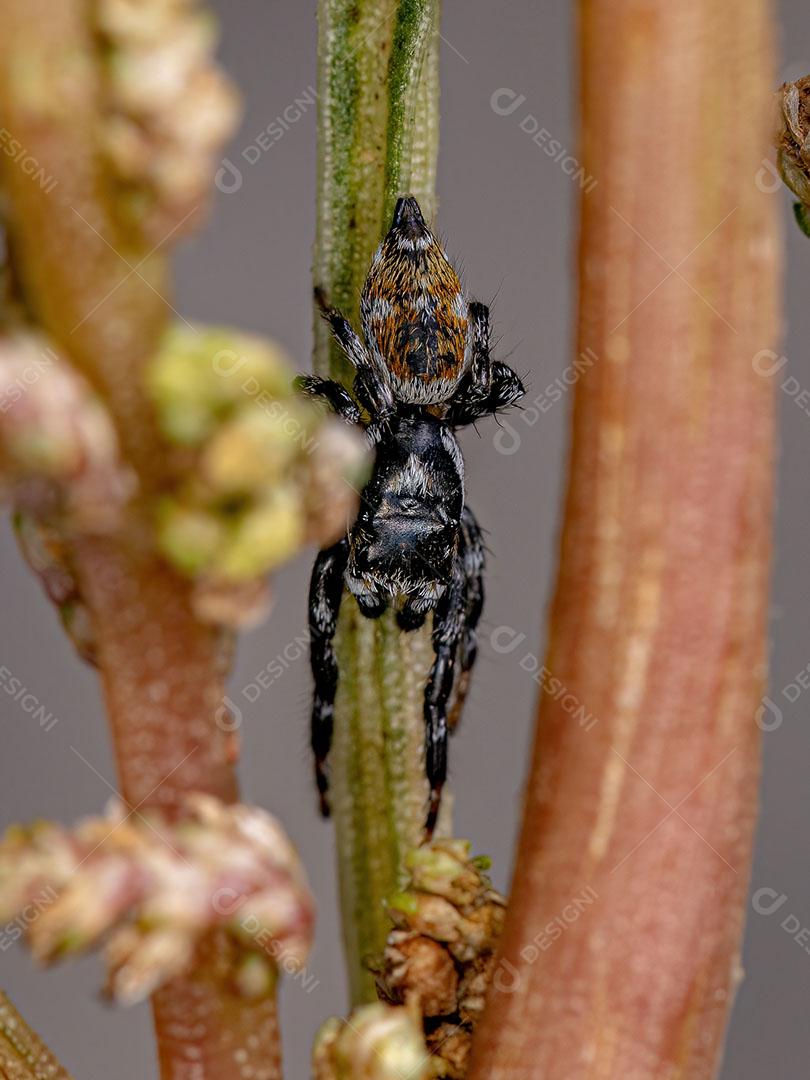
(506, 212)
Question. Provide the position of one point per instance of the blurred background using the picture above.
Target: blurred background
(507, 189)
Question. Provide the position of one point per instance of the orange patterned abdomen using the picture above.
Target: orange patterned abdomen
(414, 313)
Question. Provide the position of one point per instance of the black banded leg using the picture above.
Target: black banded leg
(448, 622)
(325, 593)
(337, 396)
(474, 562)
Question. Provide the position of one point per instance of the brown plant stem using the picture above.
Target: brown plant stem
(23, 1055)
(620, 952)
(242, 1038)
(90, 284)
(162, 676)
(85, 278)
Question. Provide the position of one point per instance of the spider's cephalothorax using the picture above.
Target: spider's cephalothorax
(422, 368)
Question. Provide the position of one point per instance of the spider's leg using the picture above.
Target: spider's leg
(372, 389)
(490, 385)
(334, 393)
(325, 593)
(448, 625)
(473, 556)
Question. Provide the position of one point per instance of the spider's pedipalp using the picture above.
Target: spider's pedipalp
(334, 393)
(490, 385)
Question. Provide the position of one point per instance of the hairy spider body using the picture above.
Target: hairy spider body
(404, 538)
(422, 369)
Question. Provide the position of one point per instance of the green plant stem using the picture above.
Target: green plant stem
(378, 94)
(378, 139)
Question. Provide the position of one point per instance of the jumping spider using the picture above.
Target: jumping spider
(422, 369)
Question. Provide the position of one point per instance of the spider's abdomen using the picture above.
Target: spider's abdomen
(413, 311)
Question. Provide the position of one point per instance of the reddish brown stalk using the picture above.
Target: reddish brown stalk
(620, 953)
(162, 676)
(241, 1038)
(95, 288)
(99, 294)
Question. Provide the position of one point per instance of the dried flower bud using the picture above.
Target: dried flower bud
(60, 464)
(430, 915)
(440, 956)
(793, 145)
(450, 1045)
(170, 109)
(153, 890)
(422, 971)
(264, 470)
(377, 1042)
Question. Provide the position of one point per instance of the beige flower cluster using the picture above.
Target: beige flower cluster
(170, 109)
(152, 892)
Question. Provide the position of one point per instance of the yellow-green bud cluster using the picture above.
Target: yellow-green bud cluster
(262, 470)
